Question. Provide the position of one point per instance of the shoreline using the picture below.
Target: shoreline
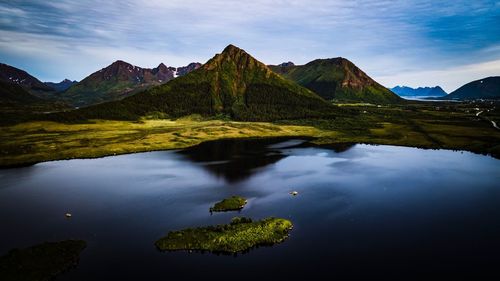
(308, 143)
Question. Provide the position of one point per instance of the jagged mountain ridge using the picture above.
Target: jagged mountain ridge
(61, 86)
(405, 91)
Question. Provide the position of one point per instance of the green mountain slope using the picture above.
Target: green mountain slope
(337, 79)
(487, 88)
(232, 83)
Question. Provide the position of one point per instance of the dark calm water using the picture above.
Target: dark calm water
(362, 211)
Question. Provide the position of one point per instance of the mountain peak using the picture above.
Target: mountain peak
(405, 91)
(286, 64)
(233, 56)
(486, 88)
(338, 79)
(120, 62)
(231, 49)
(13, 75)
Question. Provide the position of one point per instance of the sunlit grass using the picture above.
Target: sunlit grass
(419, 125)
(240, 235)
(41, 141)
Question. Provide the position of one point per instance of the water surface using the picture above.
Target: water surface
(362, 211)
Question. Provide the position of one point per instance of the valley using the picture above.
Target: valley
(433, 125)
(296, 140)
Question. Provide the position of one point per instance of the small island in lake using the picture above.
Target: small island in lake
(233, 203)
(240, 235)
(41, 262)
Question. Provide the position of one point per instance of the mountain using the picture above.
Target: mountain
(183, 70)
(117, 81)
(487, 88)
(61, 86)
(405, 91)
(13, 94)
(120, 80)
(19, 105)
(286, 64)
(232, 83)
(17, 93)
(12, 75)
(337, 79)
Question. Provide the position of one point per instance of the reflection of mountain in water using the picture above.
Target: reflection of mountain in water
(338, 147)
(236, 160)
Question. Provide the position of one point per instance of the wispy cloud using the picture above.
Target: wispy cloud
(386, 38)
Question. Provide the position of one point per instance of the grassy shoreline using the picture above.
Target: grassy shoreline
(454, 127)
(35, 142)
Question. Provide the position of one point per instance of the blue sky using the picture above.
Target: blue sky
(415, 43)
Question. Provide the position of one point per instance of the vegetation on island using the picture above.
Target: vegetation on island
(40, 262)
(240, 235)
(233, 203)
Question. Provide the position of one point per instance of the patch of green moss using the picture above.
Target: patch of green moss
(40, 262)
(233, 203)
(240, 235)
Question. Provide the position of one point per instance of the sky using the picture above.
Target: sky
(412, 42)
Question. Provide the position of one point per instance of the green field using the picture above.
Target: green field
(34, 142)
(426, 125)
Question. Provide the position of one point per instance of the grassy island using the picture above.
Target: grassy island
(233, 203)
(41, 262)
(240, 235)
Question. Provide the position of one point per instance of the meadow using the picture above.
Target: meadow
(417, 124)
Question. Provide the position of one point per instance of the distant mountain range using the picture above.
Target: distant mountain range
(183, 70)
(336, 79)
(61, 86)
(487, 88)
(405, 91)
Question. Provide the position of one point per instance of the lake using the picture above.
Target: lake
(362, 211)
